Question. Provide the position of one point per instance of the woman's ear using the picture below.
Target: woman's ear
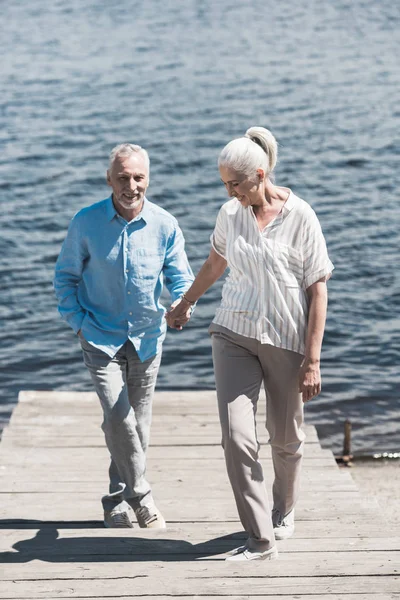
(260, 174)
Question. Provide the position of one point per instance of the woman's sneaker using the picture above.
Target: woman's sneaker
(149, 517)
(244, 554)
(283, 526)
(117, 518)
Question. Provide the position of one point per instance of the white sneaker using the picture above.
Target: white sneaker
(149, 517)
(283, 526)
(117, 518)
(243, 554)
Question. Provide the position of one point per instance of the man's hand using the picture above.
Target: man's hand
(309, 379)
(178, 314)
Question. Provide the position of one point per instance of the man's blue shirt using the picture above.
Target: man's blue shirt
(109, 276)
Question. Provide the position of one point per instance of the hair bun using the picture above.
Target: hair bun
(264, 138)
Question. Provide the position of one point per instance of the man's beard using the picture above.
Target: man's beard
(130, 205)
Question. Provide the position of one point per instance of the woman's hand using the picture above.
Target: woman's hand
(180, 311)
(178, 314)
(309, 379)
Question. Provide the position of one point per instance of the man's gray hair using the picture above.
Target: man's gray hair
(127, 150)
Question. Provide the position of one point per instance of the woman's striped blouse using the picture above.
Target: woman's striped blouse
(264, 296)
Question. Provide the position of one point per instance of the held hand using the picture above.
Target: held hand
(178, 314)
(309, 379)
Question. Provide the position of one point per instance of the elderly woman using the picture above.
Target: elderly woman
(268, 328)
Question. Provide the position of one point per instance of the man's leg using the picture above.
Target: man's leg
(120, 425)
(238, 377)
(284, 421)
(141, 382)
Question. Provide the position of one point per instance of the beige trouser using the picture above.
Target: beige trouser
(240, 365)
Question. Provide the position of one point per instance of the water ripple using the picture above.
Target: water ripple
(182, 81)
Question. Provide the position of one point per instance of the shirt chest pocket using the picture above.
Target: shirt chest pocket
(149, 265)
(287, 265)
(240, 254)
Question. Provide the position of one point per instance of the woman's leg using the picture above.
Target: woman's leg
(238, 377)
(284, 421)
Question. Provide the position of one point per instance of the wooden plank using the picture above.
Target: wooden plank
(67, 421)
(168, 412)
(267, 580)
(194, 480)
(51, 507)
(186, 470)
(184, 404)
(54, 470)
(356, 596)
(91, 417)
(173, 567)
(221, 496)
(186, 540)
(91, 510)
(83, 436)
(95, 456)
(199, 437)
(93, 486)
(344, 527)
(93, 431)
(71, 424)
(310, 473)
(169, 398)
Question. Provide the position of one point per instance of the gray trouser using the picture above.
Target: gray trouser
(240, 365)
(125, 386)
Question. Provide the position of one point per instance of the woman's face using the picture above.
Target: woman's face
(245, 189)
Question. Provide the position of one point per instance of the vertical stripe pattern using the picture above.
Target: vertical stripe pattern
(264, 296)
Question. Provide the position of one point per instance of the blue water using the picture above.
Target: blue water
(183, 78)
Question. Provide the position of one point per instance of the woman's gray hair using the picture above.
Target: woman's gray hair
(127, 150)
(258, 149)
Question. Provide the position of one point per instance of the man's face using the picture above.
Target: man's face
(129, 179)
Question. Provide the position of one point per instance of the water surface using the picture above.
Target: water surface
(182, 79)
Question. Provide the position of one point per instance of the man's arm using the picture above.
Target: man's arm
(178, 274)
(68, 273)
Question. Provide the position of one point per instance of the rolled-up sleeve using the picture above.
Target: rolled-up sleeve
(218, 236)
(316, 262)
(178, 274)
(68, 274)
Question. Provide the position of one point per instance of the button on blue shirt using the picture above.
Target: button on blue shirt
(109, 276)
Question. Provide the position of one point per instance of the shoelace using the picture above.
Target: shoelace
(277, 522)
(281, 521)
(144, 513)
(120, 519)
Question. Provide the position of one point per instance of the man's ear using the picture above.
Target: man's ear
(108, 178)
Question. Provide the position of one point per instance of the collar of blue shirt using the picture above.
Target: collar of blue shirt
(112, 212)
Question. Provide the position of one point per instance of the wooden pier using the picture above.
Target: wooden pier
(53, 471)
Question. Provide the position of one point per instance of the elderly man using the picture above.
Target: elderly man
(108, 281)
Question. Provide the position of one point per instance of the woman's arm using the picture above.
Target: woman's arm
(310, 375)
(211, 270)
